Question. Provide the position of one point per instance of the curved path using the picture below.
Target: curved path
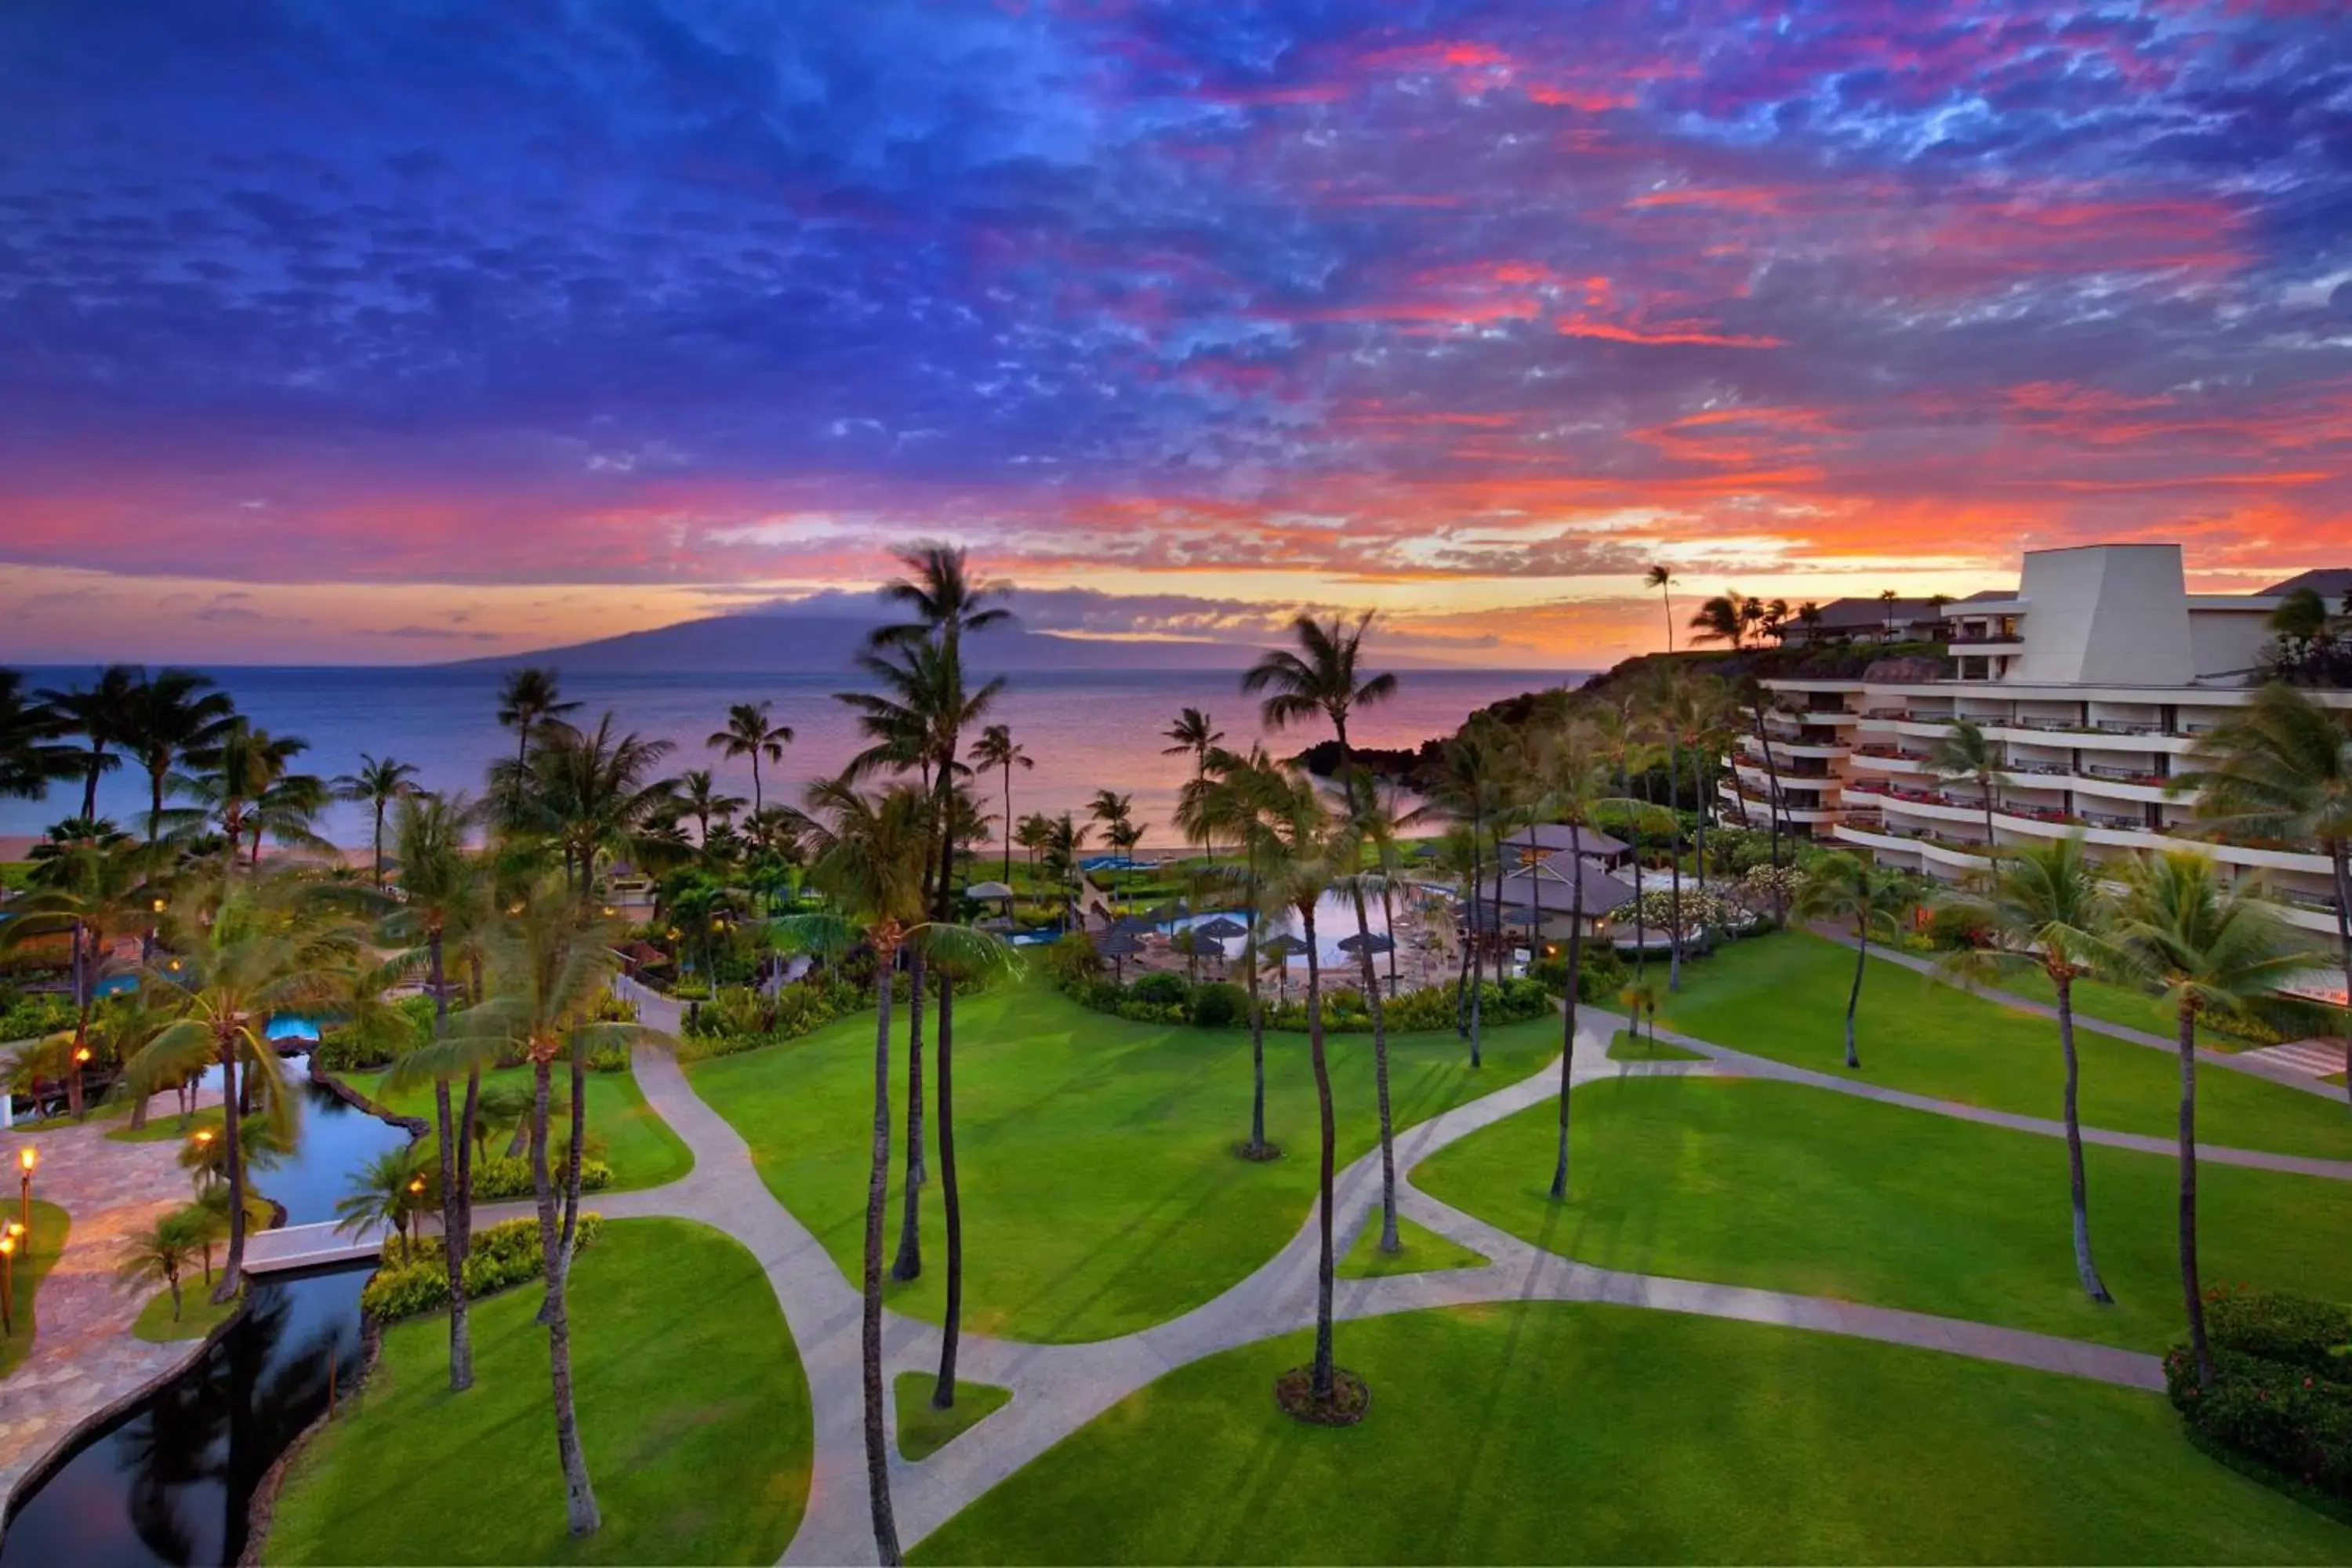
(1058, 1388)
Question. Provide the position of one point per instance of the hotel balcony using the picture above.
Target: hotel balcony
(1752, 803)
(1888, 759)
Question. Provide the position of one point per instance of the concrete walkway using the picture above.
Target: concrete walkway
(1058, 1388)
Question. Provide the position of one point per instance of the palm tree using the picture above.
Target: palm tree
(750, 733)
(157, 1253)
(2211, 950)
(246, 953)
(1668, 709)
(1036, 830)
(389, 1190)
(1808, 616)
(1320, 679)
(1962, 751)
(93, 881)
(1116, 813)
(1365, 824)
(1751, 692)
(1063, 839)
(528, 699)
(2282, 768)
(1227, 797)
(1839, 887)
(699, 796)
(1466, 784)
(379, 782)
(285, 811)
(177, 720)
(871, 854)
(1193, 733)
(598, 793)
(2043, 907)
(997, 750)
(445, 897)
(101, 714)
(1662, 578)
(551, 964)
(1888, 597)
(30, 757)
(233, 788)
(1718, 619)
(1299, 865)
(1576, 774)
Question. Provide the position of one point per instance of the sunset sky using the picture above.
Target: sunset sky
(388, 331)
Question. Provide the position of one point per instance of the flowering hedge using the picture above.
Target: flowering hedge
(499, 1257)
(2279, 1392)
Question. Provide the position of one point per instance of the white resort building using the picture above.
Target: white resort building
(2092, 680)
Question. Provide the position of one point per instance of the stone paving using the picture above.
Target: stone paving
(1058, 1388)
(84, 1359)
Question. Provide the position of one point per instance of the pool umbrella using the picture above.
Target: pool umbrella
(1133, 925)
(1220, 929)
(1162, 915)
(1366, 942)
(988, 892)
(1119, 946)
(1285, 947)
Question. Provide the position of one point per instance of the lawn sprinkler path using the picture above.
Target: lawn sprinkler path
(1058, 1388)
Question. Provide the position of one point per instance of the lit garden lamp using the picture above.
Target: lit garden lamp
(203, 1140)
(26, 1160)
(417, 1191)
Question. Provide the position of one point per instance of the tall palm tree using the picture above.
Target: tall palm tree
(750, 733)
(1662, 578)
(1036, 830)
(528, 699)
(1063, 839)
(100, 714)
(1668, 707)
(2282, 768)
(385, 1190)
(1227, 797)
(551, 964)
(1963, 751)
(1751, 692)
(701, 798)
(1365, 826)
(175, 721)
(997, 750)
(246, 952)
(1466, 785)
(1843, 888)
(2211, 952)
(1114, 814)
(1718, 619)
(379, 781)
(30, 756)
(445, 897)
(1576, 774)
(1300, 862)
(1194, 734)
(2043, 907)
(598, 793)
(239, 770)
(1320, 679)
(871, 854)
(287, 812)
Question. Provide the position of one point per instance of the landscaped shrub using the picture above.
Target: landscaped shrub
(1219, 1005)
(738, 1019)
(609, 1059)
(498, 1177)
(2277, 1395)
(1951, 927)
(1072, 960)
(29, 1018)
(499, 1257)
(1160, 989)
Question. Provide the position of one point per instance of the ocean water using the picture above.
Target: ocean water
(1087, 730)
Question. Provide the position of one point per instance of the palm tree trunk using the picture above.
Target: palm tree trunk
(877, 1188)
(232, 1276)
(2192, 1293)
(1008, 824)
(379, 844)
(1853, 997)
(1675, 860)
(554, 1312)
(1575, 969)
(1469, 940)
(950, 1198)
(908, 1264)
(755, 780)
(1771, 806)
(1320, 1380)
(2084, 1268)
(2340, 854)
(1387, 923)
(1389, 1242)
(451, 1137)
(1985, 785)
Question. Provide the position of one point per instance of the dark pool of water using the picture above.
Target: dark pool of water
(169, 1480)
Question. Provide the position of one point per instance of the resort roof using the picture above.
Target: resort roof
(1550, 885)
(2330, 583)
(1552, 836)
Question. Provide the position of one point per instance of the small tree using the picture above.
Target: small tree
(1840, 888)
(1963, 752)
(158, 1253)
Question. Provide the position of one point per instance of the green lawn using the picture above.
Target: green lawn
(1784, 996)
(1100, 1192)
(637, 1144)
(1626, 1047)
(198, 1314)
(923, 1431)
(1421, 1250)
(165, 1128)
(693, 1412)
(50, 1225)
(1793, 1188)
(1557, 1433)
